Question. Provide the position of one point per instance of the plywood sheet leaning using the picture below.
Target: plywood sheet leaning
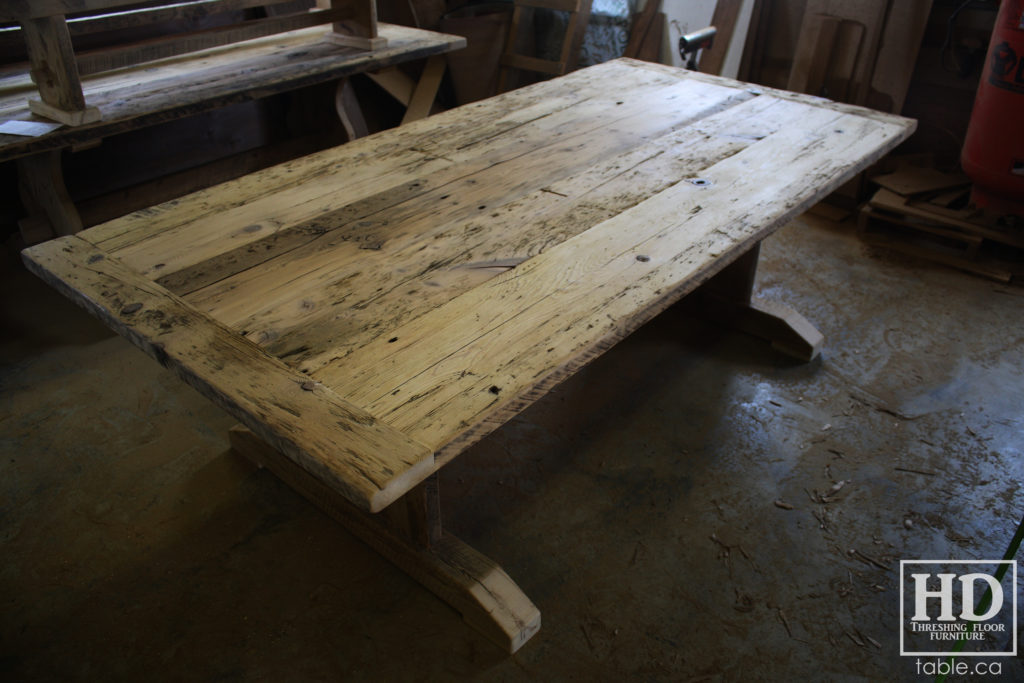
(852, 54)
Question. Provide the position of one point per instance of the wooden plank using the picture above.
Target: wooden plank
(560, 5)
(640, 27)
(544, 66)
(53, 63)
(43, 193)
(118, 57)
(374, 163)
(361, 458)
(349, 111)
(809, 68)
(839, 81)
(916, 243)
(869, 215)
(141, 96)
(480, 590)
(464, 367)
(189, 11)
(868, 14)
(358, 27)
(426, 90)
(525, 223)
(724, 19)
(395, 83)
(411, 174)
(888, 200)
(897, 54)
(574, 35)
(650, 48)
(27, 9)
(910, 180)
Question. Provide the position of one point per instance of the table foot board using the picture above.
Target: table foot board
(409, 534)
(727, 299)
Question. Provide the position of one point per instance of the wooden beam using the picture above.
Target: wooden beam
(42, 190)
(32, 9)
(727, 299)
(349, 112)
(395, 83)
(189, 10)
(544, 66)
(54, 70)
(480, 590)
(105, 59)
(560, 5)
(359, 457)
(426, 90)
(724, 19)
(359, 28)
(641, 25)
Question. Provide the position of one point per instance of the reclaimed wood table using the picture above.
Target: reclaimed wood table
(370, 311)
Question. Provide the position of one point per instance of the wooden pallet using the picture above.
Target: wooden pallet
(928, 228)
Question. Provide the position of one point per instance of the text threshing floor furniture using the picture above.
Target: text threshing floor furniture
(370, 311)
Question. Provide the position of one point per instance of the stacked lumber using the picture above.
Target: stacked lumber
(926, 213)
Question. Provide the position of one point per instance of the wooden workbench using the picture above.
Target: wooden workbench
(174, 88)
(369, 312)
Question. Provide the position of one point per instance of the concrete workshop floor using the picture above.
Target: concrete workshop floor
(634, 504)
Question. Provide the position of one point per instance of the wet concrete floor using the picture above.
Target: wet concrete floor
(675, 510)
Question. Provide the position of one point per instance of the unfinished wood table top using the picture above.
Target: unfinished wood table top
(373, 309)
(150, 93)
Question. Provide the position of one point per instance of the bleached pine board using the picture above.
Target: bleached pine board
(369, 462)
(437, 278)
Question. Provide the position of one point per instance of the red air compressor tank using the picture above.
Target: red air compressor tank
(993, 154)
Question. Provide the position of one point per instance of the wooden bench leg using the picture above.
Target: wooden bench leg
(411, 536)
(426, 90)
(418, 98)
(349, 112)
(728, 299)
(50, 209)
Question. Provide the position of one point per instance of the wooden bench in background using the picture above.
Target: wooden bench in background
(196, 56)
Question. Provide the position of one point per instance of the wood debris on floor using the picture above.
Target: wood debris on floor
(926, 213)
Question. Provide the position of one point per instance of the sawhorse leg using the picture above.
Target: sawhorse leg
(45, 197)
(727, 298)
(418, 97)
(409, 533)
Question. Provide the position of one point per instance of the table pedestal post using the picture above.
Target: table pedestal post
(728, 299)
(409, 534)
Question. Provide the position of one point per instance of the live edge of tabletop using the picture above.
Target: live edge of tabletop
(370, 311)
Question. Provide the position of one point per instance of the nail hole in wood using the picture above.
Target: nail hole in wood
(495, 390)
(392, 340)
(643, 258)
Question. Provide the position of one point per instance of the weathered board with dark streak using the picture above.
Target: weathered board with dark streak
(155, 92)
(443, 275)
